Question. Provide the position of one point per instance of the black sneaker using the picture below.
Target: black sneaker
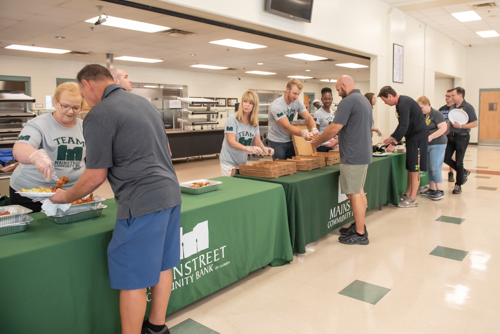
(147, 330)
(350, 230)
(428, 193)
(466, 176)
(438, 194)
(457, 189)
(355, 239)
(450, 177)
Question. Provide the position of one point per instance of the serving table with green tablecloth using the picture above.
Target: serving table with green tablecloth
(54, 278)
(315, 205)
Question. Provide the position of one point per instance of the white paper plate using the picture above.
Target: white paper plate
(35, 195)
(459, 116)
(381, 155)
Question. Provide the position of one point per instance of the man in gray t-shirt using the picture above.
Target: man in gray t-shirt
(352, 122)
(281, 114)
(126, 142)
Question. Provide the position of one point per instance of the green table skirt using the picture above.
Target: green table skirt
(54, 278)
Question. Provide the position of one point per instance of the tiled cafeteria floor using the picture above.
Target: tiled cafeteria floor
(431, 269)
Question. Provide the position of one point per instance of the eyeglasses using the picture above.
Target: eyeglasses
(66, 107)
(447, 95)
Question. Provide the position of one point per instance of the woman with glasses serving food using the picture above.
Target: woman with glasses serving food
(50, 144)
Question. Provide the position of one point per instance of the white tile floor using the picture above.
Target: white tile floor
(428, 294)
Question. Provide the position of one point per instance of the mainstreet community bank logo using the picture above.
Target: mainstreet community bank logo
(341, 211)
(197, 258)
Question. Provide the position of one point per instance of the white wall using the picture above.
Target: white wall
(440, 88)
(482, 72)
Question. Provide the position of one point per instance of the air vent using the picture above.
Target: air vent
(231, 69)
(79, 53)
(177, 33)
(326, 60)
(484, 5)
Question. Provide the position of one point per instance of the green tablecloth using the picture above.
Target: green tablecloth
(54, 278)
(315, 205)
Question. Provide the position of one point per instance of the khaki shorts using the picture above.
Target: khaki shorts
(352, 178)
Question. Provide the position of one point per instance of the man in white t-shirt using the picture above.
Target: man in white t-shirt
(280, 116)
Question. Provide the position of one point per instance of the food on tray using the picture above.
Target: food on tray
(62, 181)
(6, 213)
(89, 199)
(262, 164)
(379, 148)
(38, 190)
(200, 185)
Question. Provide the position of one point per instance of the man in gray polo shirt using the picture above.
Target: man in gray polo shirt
(126, 142)
(458, 138)
(352, 122)
(281, 114)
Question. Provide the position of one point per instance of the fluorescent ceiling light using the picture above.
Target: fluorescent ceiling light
(351, 65)
(260, 63)
(487, 33)
(328, 80)
(467, 16)
(36, 49)
(305, 56)
(210, 67)
(260, 72)
(238, 44)
(299, 77)
(138, 59)
(129, 24)
(148, 86)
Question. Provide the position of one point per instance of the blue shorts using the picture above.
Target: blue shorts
(143, 247)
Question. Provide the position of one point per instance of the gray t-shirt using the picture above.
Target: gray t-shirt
(278, 110)
(244, 135)
(64, 146)
(125, 134)
(354, 112)
(432, 120)
(469, 109)
(323, 118)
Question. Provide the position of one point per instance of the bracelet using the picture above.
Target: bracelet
(459, 126)
(432, 136)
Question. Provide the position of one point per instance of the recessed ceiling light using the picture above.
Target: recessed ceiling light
(260, 63)
(487, 33)
(467, 16)
(138, 59)
(36, 49)
(238, 44)
(328, 80)
(260, 72)
(308, 70)
(129, 24)
(193, 54)
(210, 67)
(351, 65)
(305, 56)
(299, 77)
(60, 37)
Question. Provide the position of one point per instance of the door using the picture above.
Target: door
(489, 113)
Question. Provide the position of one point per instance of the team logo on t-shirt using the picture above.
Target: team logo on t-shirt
(69, 157)
(27, 137)
(229, 128)
(245, 138)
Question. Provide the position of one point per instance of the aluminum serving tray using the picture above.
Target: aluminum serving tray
(81, 207)
(17, 214)
(15, 227)
(66, 219)
(186, 187)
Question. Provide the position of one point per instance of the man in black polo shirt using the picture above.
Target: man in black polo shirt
(458, 138)
(444, 110)
(412, 126)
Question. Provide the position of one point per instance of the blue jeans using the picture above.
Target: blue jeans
(282, 151)
(436, 159)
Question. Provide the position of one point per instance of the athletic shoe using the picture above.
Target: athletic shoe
(457, 189)
(450, 177)
(408, 203)
(428, 193)
(438, 194)
(355, 239)
(346, 230)
(403, 197)
(466, 176)
(350, 230)
(147, 330)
